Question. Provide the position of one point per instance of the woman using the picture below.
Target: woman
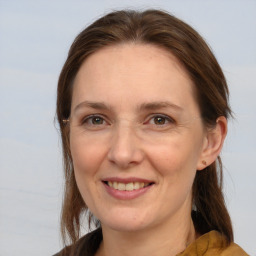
(143, 107)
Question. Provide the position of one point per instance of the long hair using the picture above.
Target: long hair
(163, 30)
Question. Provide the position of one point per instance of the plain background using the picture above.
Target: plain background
(34, 40)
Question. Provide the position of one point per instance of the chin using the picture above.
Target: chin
(124, 227)
(125, 222)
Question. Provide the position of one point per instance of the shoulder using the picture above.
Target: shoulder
(211, 244)
(233, 250)
(85, 246)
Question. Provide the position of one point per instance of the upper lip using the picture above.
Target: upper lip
(127, 180)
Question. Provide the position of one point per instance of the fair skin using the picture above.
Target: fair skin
(134, 120)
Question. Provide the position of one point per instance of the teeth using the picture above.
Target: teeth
(127, 187)
(114, 185)
(121, 186)
(136, 185)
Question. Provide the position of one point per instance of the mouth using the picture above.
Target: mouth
(127, 189)
(130, 186)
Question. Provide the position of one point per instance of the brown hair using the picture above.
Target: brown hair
(166, 31)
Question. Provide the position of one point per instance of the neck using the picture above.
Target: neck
(165, 240)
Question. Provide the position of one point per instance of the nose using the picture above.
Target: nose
(125, 150)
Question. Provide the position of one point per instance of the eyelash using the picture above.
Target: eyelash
(153, 117)
(90, 118)
(165, 117)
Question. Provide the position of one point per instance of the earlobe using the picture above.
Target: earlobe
(213, 143)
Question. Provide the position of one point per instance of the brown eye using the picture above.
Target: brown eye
(159, 120)
(97, 120)
(94, 121)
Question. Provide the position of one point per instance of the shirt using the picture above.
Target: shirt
(209, 244)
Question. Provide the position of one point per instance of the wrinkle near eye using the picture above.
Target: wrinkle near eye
(155, 122)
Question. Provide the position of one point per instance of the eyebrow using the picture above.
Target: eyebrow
(159, 105)
(90, 104)
(144, 106)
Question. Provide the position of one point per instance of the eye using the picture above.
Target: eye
(161, 120)
(94, 120)
(97, 120)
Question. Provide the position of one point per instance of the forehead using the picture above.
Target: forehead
(137, 72)
(148, 56)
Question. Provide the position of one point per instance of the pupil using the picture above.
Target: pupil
(97, 120)
(159, 120)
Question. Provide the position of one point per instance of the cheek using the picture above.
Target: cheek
(87, 154)
(176, 163)
(87, 157)
(173, 158)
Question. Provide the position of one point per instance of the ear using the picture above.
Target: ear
(213, 143)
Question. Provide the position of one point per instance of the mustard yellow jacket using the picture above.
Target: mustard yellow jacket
(212, 244)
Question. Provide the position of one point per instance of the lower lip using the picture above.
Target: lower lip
(126, 195)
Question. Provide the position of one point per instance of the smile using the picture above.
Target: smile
(128, 186)
(126, 189)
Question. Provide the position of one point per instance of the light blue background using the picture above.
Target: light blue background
(34, 40)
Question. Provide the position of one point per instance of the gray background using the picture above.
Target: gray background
(34, 39)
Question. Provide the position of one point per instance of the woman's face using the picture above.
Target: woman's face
(136, 136)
